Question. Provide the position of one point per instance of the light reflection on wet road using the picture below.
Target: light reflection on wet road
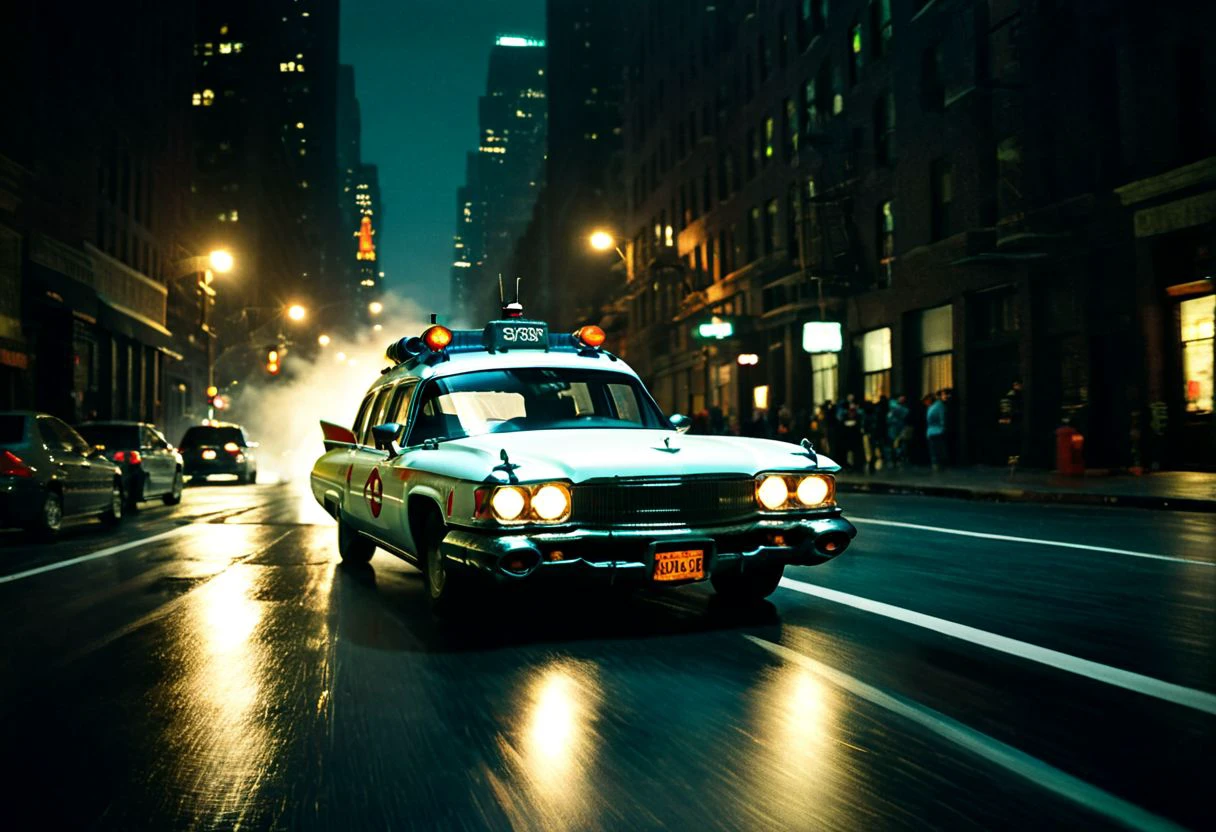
(233, 675)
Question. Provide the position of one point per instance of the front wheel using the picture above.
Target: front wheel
(113, 512)
(749, 585)
(446, 587)
(175, 493)
(353, 547)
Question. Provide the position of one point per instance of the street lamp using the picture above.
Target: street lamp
(296, 312)
(323, 340)
(601, 240)
(375, 307)
(220, 260)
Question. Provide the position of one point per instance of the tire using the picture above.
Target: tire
(112, 515)
(138, 492)
(353, 547)
(446, 588)
(50, 518)
(750, 585)
(175, 492)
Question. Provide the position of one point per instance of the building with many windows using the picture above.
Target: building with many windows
(504, 176)
(976, 193)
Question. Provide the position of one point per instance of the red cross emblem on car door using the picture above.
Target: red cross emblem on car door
(373, 492)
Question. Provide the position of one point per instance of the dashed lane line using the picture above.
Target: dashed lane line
(1061, 544)
(1147, 685)
(983, 746)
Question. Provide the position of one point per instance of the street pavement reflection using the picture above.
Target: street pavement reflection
(232, 675)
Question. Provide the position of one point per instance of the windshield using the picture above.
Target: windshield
(501, 401)
(203, 435)
(111, 437)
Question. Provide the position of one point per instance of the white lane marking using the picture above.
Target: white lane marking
(1034, 540)
(1147, 685)
(100, 553)
(994, 751)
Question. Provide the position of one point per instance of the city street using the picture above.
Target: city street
(211, 666)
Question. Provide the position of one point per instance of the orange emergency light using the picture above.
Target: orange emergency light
(590, 336)
(437, 337)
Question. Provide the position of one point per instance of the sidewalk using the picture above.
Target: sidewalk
(1171, 490)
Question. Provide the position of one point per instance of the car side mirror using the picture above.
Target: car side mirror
(680, 422)
(385, 437)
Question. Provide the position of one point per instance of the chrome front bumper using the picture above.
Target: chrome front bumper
(802, 541)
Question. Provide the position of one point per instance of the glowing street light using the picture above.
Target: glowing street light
(296, 312)
(601, 240)
(323, 340)
(221, 260)
(341, 357)
(375, 307)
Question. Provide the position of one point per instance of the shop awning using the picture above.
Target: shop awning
(127, 322)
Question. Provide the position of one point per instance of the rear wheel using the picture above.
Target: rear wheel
(49, 518)
(447, 588)
(175, 493)
(353, 547)
(113, 512)
(749, 585)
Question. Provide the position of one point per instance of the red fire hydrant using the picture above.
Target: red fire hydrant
(1070, 451)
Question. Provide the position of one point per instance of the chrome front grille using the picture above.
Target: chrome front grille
(663, 502)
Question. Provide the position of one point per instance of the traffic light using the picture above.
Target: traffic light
(272, 362)
(212, 393)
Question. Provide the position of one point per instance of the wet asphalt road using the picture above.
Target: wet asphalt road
(226, 673)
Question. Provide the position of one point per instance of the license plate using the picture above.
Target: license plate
(684, 565)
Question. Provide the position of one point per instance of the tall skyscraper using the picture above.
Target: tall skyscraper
(506, 173)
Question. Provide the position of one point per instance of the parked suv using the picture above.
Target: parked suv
(218, 448)
(48, 472)
(151, 467)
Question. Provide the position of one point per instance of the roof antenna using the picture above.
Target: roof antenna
(433, 318)
(517, 279)
(502, 296)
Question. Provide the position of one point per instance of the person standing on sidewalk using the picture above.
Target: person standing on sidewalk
(899, 432)
(849, 416)
(935, 431)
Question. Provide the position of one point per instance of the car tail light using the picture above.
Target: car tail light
(132, 457)
(12, 466)
(232, 447)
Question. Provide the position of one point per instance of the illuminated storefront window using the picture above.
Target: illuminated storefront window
(1197, 318)
(876, 362)
(936, 349)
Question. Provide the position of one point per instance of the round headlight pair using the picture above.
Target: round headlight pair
(548, 502)
(773, 492)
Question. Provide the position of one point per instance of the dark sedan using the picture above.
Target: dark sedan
(151, 467)
(218, 448)
(48, 472)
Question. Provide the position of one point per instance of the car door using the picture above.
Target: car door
(98, 469)
(157, 462)
(70, 467)
(365, 495)
(393, 473)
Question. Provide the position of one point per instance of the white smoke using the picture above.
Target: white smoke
(283, 414)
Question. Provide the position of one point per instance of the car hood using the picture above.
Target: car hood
(590, 453)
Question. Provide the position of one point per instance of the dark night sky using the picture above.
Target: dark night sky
(420, 66)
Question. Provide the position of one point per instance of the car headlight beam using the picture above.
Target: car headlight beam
(773, 492)
(813, 491)
(551, 502)
(508, 503)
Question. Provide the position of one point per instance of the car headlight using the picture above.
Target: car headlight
(773, 492)
(814, 491)
(508, 503)
(551, 502)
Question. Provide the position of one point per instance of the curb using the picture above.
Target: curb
(1018, 495)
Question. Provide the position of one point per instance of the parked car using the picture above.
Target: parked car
(218, 448)
(48, 473)
(151, 467)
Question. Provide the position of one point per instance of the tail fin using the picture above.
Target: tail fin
(337, 436)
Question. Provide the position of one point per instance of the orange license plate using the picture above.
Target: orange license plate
(685, 565)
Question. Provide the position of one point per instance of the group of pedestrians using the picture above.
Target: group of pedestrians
(860, 435)
(889, 432)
